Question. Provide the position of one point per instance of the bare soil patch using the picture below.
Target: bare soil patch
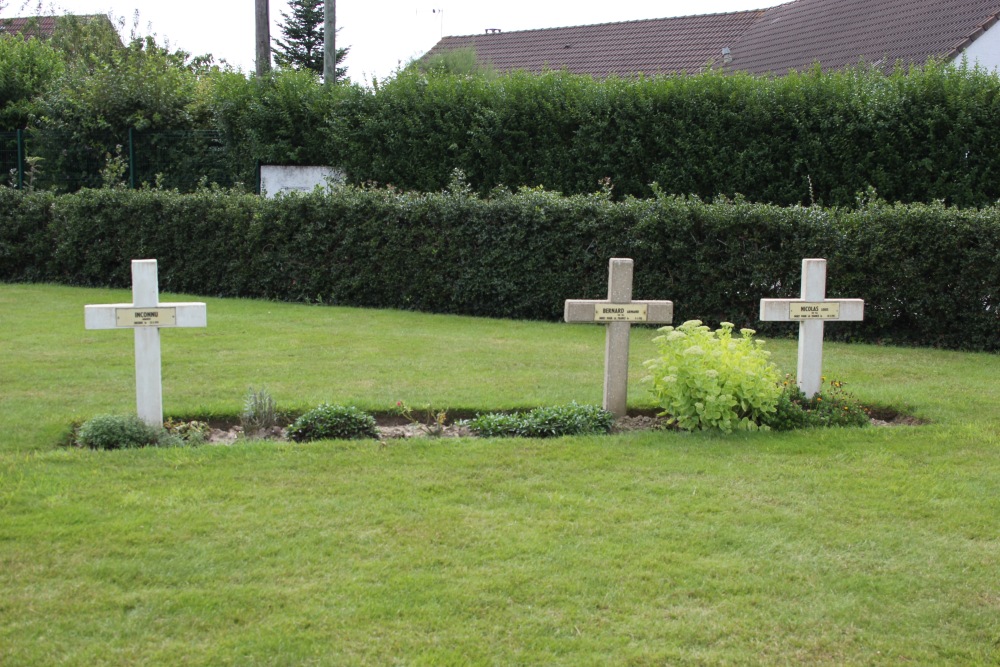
(392, 427)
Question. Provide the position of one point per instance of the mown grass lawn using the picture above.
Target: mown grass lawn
(865, 546)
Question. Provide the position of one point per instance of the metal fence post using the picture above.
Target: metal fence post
(20, 159)
(131, 157)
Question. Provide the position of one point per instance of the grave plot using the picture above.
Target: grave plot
(618, 312)
(146, 315)
(811, 310)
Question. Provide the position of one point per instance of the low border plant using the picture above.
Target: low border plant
(333, 422)
(118, 432)
(834, 406)
(192, 432)
(433, 423)
(546, 422)
(260, 412)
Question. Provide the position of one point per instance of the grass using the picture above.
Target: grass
(840, 546)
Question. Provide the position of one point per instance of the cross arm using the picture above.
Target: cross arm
(797, 310)
(116, 315)
(603, 311)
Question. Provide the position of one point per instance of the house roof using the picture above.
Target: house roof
(30, 26)
(839, 33)
(791, 36)
(41, 27)
(652, 46)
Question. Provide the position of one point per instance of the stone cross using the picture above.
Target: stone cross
(811, 310)
(146, 315)
(618, 312)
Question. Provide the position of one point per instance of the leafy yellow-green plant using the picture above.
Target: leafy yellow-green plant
(706, 379)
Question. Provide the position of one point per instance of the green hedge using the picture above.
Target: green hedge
(928, 273)
(920, 135)
(915, 136)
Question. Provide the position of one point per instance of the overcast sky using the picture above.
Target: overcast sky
(382, 34)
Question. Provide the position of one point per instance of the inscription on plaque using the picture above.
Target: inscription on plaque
(146, 317)
(804, 310)
(623, 312)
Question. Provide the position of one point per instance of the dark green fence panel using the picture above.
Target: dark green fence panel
(57, 161)
(180, 160)
(11, 159)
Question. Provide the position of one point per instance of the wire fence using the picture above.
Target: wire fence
(49, 160)
(11, 158)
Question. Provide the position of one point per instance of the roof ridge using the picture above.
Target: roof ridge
(607, 23)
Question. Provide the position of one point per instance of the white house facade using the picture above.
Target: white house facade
(985, 51)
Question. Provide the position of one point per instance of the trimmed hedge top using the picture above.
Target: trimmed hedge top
(916, 135)
(928, 273)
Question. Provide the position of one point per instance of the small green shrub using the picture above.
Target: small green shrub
(836, 407)
(496, 425)
(118, 432)
(547, 422)
(833, 407)
(333, 422)
(259, 411)
(706, 379)
(188, 432)
(788, 413)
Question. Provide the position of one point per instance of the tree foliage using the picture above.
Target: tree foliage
(462, 62)
(85, 119)
(302, 48)
(28, 67)
(86, 41)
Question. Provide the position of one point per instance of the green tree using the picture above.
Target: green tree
(88, 112)
(28, 67)
(302, 47)
(86, 41)
(461, 62)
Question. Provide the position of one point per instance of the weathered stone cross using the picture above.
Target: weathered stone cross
(618, 312)
(811, 310)
(146, 315)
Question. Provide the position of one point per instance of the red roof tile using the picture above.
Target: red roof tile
(42, 27)
(652, 46)
(839, 33)
(795, 35)
(30, 26)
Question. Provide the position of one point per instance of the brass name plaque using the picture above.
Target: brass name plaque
(145, 317)
(804, 310)
(620, 312)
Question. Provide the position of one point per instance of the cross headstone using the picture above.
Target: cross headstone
(617, 313)
(146, 315)
(811, 311)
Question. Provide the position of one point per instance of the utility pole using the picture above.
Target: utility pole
(263, 38)
(330, 41)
